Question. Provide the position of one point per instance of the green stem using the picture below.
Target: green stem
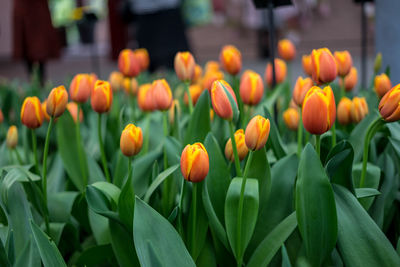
(342, 89)
(180, 222)
(194, 218)
(300, 136)
(147, 134)
(167, 182)
(333, 129)
(235, 152)
(103, 154)
(129, 168)
(318, 144)
(78, 145)
(18, 156)
(34, 148)
(44, 177)
(187, 88)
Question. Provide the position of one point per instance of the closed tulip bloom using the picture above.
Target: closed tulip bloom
(184, 65)
(80, 88)
(319, 110)
(195, 92)
(291, 118)
(240, 145)
(72, 108)
(324, 68)
(57, 101)
(12, 137)
(359, 109)
(145, 98)
(231, 59)
(142, 55)
(344, 111)
(44, 110)
(210, 77)
(92, 80)
(162, 94)
(300, 89)
(130, 85)
(116, 79)
(194, 163)
(212, 66)
(307, 65)
(350, 80)
(389, 107)
(198, 72)
(280, 72)
(102, 97)
(382, 84)
(344, 62)
(257, 132)
(251, 88)
(31, 113)
(131, 140)
(286, 50)
(128, 63)
(223, 100)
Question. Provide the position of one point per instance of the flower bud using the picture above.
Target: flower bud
(44, 110)
(344, 62)
(286, 50)
(307, 65)
(359, 109)
(145, 98)
(12, 137)
(280, 72)
(194, 163)
(130, 86)
(142, 55)
(223, 100)
(92, 81)
(198, 71)
(57, 101)
(72, 108)
(231, 59)
(291, 118)
(319, 110)
(251, 88)
(212, 66)
(323, 64)
(80, 88)
(131, 140)
(195, 92)
(344, 111)
(210, 77)
(184, 65)
(102, 97)
(240, 145)
(162, 94)
(257, 132)
(350, 80)
(389, 107)
(378, 62)
(31, 112)
(128, 63)
(382, 84)
(116, 79)
(301, 88)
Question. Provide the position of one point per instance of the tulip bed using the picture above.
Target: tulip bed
(204, 168)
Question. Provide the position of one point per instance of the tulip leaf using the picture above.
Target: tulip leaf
(60, 205)
(155, 236)
(360, 241)
(122, 245)
(101, 203)
(366, 192)
(97, 256)
(3, 256)
(249, 214)
(315, 208)
(372, 180)
(158, 180)
(126, 203)
(274, 139)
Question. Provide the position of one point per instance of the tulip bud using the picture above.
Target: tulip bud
(210, 77)
(197, 74)
(350, 80)
(145, 98)
(382, 84)
(231, 59)
(344, 111)
(293, 104)
(344, 62)
(171, 112)
(323, 64)
(162, 94)
(319, 110)
(130, 86)
(128, 63)
(116, 79)
(378, 62)
(280, 72)
(240, 145)
(257, 132)
(286, 50)
(57, 101)
(300, 89)
(131, 140)
(80, 88)
(142, 55)
(195, 92)
(307, 65)
(31, 112)
(212, 66)
(12, 137)
(194, 163)
(359, 109)
(223, 100)
(184, 65)
(389, 107)
(251, 88)
(291, 118)
(73, 110)
(102, 97)
(44, 110)
(92, 81)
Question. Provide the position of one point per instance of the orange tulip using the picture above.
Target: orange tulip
(212, 66)
(240, 145)
(359, 109)
(382, 84)
(184, 65)
(350, 80)
(130, 85)
(44, 110)
(300, 89)
(291, 118)
(57, 101)
(307, 65)
(257, 132)
(231, 59)
(280, 72)
(195, 92)
(251, 88)
(324, 68)
(210, 77)
(223, 100)
(102, 97)
(198, 71)
(319, 110)
(12, 137)
(286, 50)
(116, 79)
(80, 88)
(389, 107)
(194, 163)
(145, 98)
(128, 63)
(31, 112)
(92, 80)
(162, 94)
(344, 111)
(344, 62)
(131, 140)
(73, 110)
(142, 55)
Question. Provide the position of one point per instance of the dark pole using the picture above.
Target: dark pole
(363, 46)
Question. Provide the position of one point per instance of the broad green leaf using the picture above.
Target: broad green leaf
(99, 227)
(122, 244)
(315, 207)
(26, 257)
(372, 179)
(56, 230)
(366, 192)
(174, 149)
(274, 139)
(109, 189)
(97, 256)
(95, 172)
(60, 205)
(207, 256)
(3, 256)
(100, 203)
(119, 168)
(285, 257)
(126, 204)
(159, 179)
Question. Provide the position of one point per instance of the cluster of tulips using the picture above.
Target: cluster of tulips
(216, 211)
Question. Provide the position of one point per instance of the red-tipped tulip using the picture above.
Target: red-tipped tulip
(128, 63)
(162, 94)
(344, 111)
(116, 79)
(280, 72)
(251, 88)
(300, 89)
(145, 98)
(291, 118)
(382, 84)
(130, 85)
(80, 88)
(102, 96)
(240, 145)
(359, 109)
(389, 107)
(73, 110)
(350, 80)
(231, 59)
(257, 132)
(223, 100)
(307, 64)
(286, 50)
(57, 101)
(131, 140)
(324, 68)
(194, 163)
(142, 55)
(184, 65)
(344, 62)
(31, 113)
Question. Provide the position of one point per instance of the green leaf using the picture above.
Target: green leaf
(47, 249)
(366, 192)
(96, 256)
(100, 203)
(372, 179)
(60, 205)
(273, 241)
(126, 204)
(3, 256)
(360, 241)
(274, 139)
(249, 215)
(27, 257)
(159, 179)
(151, 230)
(122, 244)
(315, 207)
(207, 256)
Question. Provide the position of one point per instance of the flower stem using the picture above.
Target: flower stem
(318, 144)
(342, 89)
(34, 148)
(147, 134)
(187, 88)
(44, 177)
(129, 168)
(300, 136)
(78, 144)
(103, 154)
(167, 182)
(333, 129)
(180, 222)
(235, 152)
(194, 208)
